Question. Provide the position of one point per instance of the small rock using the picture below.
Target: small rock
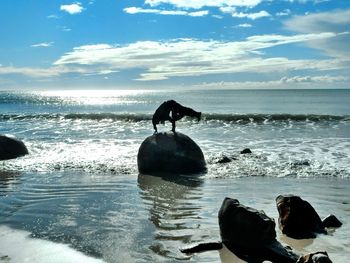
(224, 159)
(301, 163)
(246, 150)
(331, 221)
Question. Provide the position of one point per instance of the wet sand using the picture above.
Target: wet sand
(137, 218)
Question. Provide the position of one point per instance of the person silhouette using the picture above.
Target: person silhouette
(178, 111)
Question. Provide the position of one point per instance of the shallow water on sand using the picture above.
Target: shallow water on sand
(138, 218)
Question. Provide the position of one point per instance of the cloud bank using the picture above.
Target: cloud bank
(190, 57)
(337, 21)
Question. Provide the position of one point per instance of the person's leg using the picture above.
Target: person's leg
(191, 113)
(154, 126)
(173, 124)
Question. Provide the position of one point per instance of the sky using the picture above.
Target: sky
(160, 44)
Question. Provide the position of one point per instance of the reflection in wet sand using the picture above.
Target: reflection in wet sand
(297, 244)
(7, 177)
(173, 208)
(7, 181)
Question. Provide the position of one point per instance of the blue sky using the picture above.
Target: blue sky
(125, 44)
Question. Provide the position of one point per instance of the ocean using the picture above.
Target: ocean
(79, 191)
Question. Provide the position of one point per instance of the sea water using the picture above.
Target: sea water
(79, 187)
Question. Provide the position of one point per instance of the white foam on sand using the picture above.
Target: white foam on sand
(18, 246)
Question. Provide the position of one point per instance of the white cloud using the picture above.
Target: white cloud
(217, 16)
(189, 57)
(233, 11)
(197, 4)
(272, 39)
(315, 79)
(334, 21)
(321, 81)
(65, 29)
(137, 10)
(252, 16)
(337, 21)
(182, 7)
(315, 2)
(199, 13)
(72, 9)
(50, 72)
(53, 17)
(30, 72)
(246, 25)
(285, 12)
(228, 9)
(160, 60)
(43, 44)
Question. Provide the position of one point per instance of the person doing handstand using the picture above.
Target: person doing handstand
(178, 111)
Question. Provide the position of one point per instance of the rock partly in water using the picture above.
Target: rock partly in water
(224, 159)
(246, 151)
(297, 218)
(250, 234)
(170, 152)
(318, 257)
(11, 148)
(300, 163)
(331, 221)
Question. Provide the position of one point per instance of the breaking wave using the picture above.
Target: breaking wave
(136, 117)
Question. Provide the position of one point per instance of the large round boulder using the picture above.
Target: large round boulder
(11, 148)
(170, 153)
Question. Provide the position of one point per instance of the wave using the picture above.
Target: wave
(136, 117)
(261, 118)
(79, 116)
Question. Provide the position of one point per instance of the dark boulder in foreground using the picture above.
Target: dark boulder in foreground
(250, 234)
(244, 226)
(11, 148)
(297, 218)
(170, 153)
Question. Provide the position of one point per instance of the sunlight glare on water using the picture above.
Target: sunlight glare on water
(95, 97)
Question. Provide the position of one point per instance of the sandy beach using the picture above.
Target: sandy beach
(139, 218)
